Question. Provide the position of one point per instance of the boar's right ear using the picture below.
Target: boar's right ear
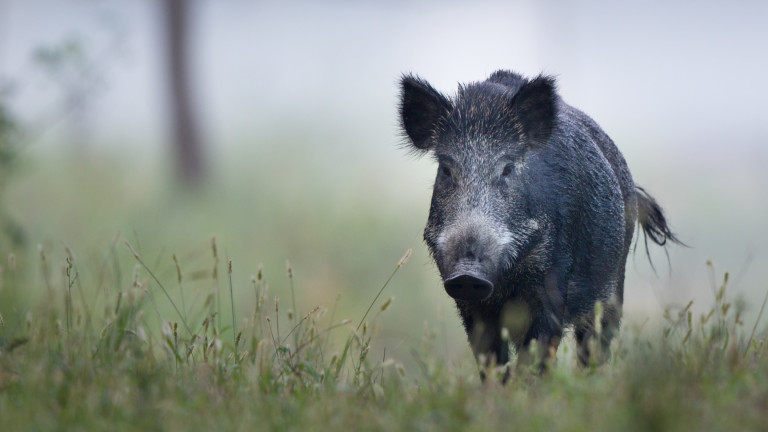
(421, 109)
(533, 107)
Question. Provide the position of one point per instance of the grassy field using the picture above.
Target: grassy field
(127, 306)
(105, 348)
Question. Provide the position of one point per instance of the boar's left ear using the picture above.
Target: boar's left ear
(421, 110)
(533, 108)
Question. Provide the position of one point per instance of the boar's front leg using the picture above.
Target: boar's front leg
(547, 324)
(484, 332)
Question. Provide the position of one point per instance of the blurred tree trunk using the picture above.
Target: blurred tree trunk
(187, 145)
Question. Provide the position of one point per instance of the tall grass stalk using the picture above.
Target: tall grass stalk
(179, 281)
(215, 275)
(160, 284)
(232, 303)
(400, 263)
(757, 321)
(289, 272)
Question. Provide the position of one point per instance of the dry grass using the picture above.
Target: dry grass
(143, 355)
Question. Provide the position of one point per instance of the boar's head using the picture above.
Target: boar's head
(487, 221)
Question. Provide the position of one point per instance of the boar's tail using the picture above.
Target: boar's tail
(651, 218)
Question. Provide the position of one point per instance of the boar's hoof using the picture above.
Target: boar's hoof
(468, 287)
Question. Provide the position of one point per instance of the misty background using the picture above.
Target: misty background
(295, 106)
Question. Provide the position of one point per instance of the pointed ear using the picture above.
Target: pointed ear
(534, 109)
(421, 109)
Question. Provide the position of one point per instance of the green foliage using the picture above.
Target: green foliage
(9, 142)
(139, 354)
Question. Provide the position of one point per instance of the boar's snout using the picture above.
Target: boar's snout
(469, 254)
(468, 287)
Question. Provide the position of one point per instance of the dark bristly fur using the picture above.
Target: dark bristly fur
(420, 106)
(651, 219)
(532, 215)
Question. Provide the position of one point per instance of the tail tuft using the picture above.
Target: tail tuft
(651, 218)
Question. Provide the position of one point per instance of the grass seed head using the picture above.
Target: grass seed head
(141, 334)
(130, 248)
(315, 309)
(166, 330)
(69, 253)
(178, 268)
(209, 300)
(135, 277)
(386, 304)
(598, 317)
(481, 359)
(117, 304)
(400, 370)
(405, 258)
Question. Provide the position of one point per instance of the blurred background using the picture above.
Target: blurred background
(272, 126)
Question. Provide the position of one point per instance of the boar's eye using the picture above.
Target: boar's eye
(445, 171)
(508, 168)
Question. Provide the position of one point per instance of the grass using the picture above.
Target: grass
(97, 335)
(102, 352)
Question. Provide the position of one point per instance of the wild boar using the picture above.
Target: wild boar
(533, 212)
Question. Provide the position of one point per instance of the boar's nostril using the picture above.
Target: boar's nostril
(469, 287)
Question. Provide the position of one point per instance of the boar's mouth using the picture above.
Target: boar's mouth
(468, 287)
